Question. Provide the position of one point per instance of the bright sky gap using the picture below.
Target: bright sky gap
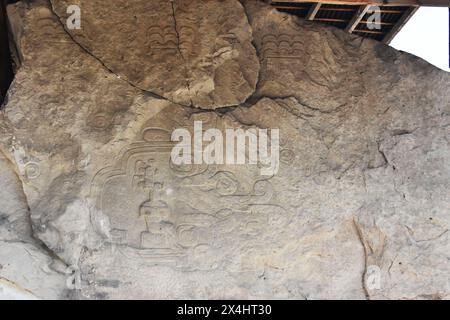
(426, 35)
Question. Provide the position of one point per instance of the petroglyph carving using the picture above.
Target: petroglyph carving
(282, 46)
(32, 170)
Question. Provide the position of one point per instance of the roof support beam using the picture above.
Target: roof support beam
(313, 11)
(396, 29)
(358, 16)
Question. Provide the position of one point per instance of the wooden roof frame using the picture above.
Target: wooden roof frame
(365, 5)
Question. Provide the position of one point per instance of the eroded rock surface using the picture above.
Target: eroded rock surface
(362, 190)
(203, 48)
(27, 270)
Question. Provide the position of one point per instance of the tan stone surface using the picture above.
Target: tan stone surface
(203, 48)
(364, 162)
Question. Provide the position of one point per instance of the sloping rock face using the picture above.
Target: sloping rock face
(203, 48)
(27, 270)
(359, 208)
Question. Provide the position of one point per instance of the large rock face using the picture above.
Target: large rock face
(358, 209)
(203, 48)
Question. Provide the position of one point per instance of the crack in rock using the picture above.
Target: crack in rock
(85, 50)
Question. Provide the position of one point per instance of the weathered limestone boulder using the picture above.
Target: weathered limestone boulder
(27, 270)
(359, 207)
(203, 48)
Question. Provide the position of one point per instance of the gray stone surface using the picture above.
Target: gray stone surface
(364, 161)
(27, 270)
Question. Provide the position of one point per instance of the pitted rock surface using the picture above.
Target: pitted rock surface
(203, 48)
(362, 189)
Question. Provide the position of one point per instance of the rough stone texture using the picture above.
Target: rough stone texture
(363, 181)
(203, 48)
